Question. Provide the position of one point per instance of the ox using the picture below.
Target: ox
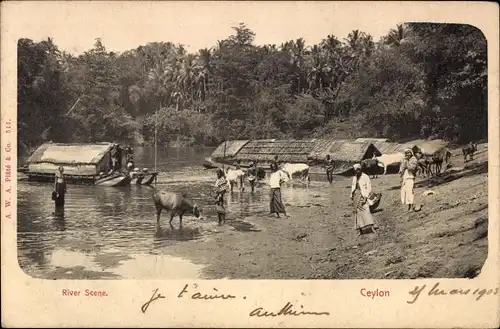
(235, 177)
(388, 159)
(439, 157)
(423, 165)
(371, 166)
(469, 151)
(297, 170)
(176, 203)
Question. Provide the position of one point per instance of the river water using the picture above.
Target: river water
(110, 232)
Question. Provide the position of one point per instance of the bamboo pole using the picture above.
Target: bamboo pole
(156, 144)
(225, 145)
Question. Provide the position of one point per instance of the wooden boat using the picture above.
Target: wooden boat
(115, 179)
(22, 169)
(82, 164)
(143, 178)
(209, 163)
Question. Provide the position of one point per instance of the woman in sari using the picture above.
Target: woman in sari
(408, 171)
(277, 178)
(360, 191)
(59, 188)
(220, 189)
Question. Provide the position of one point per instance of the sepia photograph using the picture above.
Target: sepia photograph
(299, 163)
(354, 156)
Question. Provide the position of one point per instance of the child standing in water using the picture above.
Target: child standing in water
(59, 188)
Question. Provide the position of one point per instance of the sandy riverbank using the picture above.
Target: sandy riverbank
(447, 238)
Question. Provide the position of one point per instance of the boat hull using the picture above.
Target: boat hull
(146, 179)
(118, 180)
(209, 163)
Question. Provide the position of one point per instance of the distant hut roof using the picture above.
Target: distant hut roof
(410, 144)
(60, 153)
(373, 140)
(286, 150)
(232, 148)
(346, 151)
(432, 146)
(387, 148)
(353, 151)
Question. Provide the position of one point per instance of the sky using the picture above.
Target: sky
(127, 25)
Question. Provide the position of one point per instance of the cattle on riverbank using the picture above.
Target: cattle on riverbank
(298, 171)
(176, 203)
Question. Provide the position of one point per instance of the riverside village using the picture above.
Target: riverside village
(354, 157)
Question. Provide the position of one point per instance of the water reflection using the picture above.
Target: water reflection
(58, 219)
(177, 234)
(75, 242)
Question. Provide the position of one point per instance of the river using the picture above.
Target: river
(110, 232)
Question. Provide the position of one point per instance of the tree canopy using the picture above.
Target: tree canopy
(420, 80)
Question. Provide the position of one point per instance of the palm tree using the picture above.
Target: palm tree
(298, 51)
(187, 74)
(396, 36)
(205, 56)
(353, 39)
(319, 69)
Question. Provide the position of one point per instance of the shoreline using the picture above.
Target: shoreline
(446, 239)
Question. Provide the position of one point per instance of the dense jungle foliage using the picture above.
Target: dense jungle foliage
(420, 80)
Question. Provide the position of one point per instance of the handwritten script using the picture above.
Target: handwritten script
(436, 291)
(190, 293)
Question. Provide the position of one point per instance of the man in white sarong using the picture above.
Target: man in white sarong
(360, 192)
(408, 171)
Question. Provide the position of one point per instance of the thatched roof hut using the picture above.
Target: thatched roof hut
(430, 147)
(228, 149)
(387, 148)
(264, 150)
(373, 140)
(76, 159)
(383, 145)
(344, 153)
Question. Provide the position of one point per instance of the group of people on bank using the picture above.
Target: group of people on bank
(361, 190)
(276, 180)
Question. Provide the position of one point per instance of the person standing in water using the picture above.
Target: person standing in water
(407, 171)
(252, 175)
(277, 178)
(59, 188)
(360, 191)
(330, 165)
(220, 189)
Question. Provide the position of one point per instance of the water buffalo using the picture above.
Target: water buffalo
(371, 166)
(297, 170)
(469, 151)
(176, 203)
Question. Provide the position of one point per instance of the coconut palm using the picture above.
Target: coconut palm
(298, 53)
(397, 36)
(205, 57)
